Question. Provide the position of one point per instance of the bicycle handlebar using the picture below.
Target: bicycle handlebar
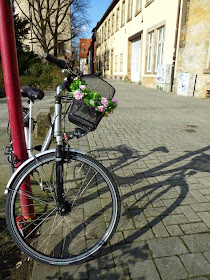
(62, 63)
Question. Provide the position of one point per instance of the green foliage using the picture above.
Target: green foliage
(42, 75)
(24, 55)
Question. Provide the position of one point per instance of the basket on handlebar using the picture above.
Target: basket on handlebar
(86, 116)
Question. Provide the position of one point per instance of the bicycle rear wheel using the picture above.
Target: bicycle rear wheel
(53, 237)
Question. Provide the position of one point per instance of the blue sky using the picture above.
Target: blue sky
(96, 11)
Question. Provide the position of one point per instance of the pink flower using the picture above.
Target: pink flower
(104, 101)
(101, 108)
(78, 95)
(115, 100)
(82, 87)
(76, 78)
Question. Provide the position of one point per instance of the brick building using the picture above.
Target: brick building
(83, 54)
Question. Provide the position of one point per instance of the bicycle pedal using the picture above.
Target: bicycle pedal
(38, 148)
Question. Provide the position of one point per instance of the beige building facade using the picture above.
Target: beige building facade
(139, 40)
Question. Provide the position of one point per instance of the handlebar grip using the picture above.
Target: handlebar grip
(59, 62)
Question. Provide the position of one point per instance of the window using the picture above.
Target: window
(102, 35)
(116, 57)
(117, 18)
(83, 50)
(130, 8)
(109, 28)
(138, 6)
(121, 62)
(113, 22)
(150, 52)
(61, 48)
(105, 32)
(106, 60)
(123, 13)
(160, 41)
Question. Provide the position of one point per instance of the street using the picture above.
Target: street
(157, 147)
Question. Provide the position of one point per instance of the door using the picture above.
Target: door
(135, 59)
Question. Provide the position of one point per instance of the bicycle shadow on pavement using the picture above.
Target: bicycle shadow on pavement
(141, 190)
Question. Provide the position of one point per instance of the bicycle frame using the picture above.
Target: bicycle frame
(54, 129)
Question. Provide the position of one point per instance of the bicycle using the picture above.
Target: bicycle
(63, 206)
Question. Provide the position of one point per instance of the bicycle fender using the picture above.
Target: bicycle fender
(21, 167)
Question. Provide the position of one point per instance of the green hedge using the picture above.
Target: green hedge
(39, 75)
(42, 75)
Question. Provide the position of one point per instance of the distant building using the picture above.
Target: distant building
(152, 42)
(92, 55)
(84, 46)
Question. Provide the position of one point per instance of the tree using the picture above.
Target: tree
(24, 55)
(54, 22)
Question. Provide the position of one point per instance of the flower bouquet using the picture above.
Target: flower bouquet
(89, 106)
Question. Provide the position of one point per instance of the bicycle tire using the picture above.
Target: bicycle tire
(50, 238)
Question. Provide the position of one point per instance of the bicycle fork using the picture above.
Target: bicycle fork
(64, 207)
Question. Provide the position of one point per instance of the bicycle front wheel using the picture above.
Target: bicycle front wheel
(53, 237)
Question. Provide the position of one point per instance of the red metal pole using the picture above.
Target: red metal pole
(12, 87)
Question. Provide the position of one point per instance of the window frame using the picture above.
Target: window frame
(138, 7)
(130, 10)
(150, 51)
(123, 13)
(117, 18)
(160, 43)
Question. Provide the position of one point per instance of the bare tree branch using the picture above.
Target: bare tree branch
(54, 21)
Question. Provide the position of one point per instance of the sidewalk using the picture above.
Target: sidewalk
(157, 146)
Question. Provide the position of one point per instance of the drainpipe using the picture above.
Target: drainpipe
(175, 44)
(12, 88)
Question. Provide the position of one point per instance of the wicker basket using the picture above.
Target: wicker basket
(85, 116)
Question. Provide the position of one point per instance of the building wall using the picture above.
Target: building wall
(117, 46)
(194, 45)
(84, 46)
(185, 46)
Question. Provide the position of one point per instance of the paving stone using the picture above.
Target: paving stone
(189, 213)
(122, 272)
(197, 242)
(205, 216)
(196, 264)
(75, 272)
(200, 278)
(103, 260)
(194, 228)
(207, 255)
(166, 247)
(103, 274)
(144, 270)
(138, 235)
(158, 228)
(47, 271)
(171, 268)
(156, 211)
(201, 207)
(174, 230)
(198, 196)
(130, 252)
(175, 219)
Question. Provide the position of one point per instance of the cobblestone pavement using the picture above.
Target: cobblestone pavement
(157, 146)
